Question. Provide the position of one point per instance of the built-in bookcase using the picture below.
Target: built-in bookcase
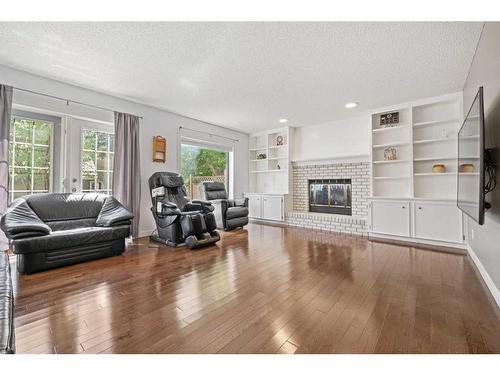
(270, 161)
(426, 135)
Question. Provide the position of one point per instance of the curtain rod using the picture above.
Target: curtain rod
(72, 101)
(210, 134)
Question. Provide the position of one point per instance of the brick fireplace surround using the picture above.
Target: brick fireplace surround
(358, 172)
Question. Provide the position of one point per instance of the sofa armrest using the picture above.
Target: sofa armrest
(113, 213)
(242, 202)
(21, 221)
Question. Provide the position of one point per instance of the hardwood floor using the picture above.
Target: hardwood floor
(266, 289)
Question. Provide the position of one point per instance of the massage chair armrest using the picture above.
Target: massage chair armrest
(113, 213)
(21, 221)
(206, 206)
(167, 209)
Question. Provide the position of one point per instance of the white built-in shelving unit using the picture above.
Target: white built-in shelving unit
(270, 174)
(408, 199)
(426, 135)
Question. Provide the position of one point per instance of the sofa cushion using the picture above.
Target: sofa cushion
(66, 206)
(237, 211)
(69, 238)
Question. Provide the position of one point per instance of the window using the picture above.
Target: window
(30, 157)
(97, 161)
(199, 163)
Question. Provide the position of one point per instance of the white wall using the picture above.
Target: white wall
(155, 122)
(334, 139)
(485, 71)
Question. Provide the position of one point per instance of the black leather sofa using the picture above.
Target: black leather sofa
(7, 337)
(229, 213)
(56, 229)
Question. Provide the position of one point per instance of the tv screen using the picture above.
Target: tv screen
(470, 192)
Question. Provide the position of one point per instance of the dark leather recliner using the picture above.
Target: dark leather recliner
(179, 220)
(229, 213)
(56, 229)
(7, 337)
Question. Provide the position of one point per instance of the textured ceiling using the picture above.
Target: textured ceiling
(246, 76)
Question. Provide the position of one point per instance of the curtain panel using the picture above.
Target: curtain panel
(5, 112)
(127, 165)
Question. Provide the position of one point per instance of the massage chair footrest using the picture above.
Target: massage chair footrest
(164, 241)
(200, 240)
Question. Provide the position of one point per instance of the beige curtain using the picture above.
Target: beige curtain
(127, 166)
(5, 112)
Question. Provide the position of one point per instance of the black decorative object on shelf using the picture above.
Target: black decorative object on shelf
(261, 156)
(279, 141)
(388, 120)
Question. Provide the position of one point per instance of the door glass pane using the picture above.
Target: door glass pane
(97, 161)
(102, 161)
(41, 156)
(102, 141)
(42, 133)
(89, 138)
(23, 130)
(41, 179)
(29, 157)
(22, 179)
(200, 164)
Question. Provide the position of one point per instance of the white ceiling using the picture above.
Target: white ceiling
(246, 76)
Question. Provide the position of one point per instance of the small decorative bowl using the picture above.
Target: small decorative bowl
(438, 168)
(466, 168)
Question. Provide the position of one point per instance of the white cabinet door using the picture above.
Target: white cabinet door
(438, 221)
(391, 218)
(272, 207)
(255, 206)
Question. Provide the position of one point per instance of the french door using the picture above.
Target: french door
(89, 154)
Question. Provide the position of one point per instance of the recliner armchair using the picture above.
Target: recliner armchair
(229, 213)
(179, 220)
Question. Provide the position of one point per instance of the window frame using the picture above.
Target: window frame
(12, 147)
(109, 172)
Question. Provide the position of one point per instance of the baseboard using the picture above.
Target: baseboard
(485, 275)
(420, 245)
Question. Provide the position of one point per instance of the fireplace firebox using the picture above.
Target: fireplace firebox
(332, 196)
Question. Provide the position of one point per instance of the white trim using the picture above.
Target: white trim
(486, 277)
(416, 240)
(333, 160)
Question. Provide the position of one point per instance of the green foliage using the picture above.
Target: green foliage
(197, 161)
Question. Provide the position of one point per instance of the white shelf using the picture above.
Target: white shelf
(391, 178)
(436, 158)
(284, 146)
(391, 144)
(390, 161)
(258, 149)
(382, 130)
(423, 141)
(277, 158)
(269, 171)
(431, 123)
(435, 174)
(259, 159)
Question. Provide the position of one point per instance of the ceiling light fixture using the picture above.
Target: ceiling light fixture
(351, 105)
(283, 120)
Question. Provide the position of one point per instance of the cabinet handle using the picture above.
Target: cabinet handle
(419, 207)
(403, 207)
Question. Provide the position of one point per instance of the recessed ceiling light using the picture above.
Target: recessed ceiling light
(283, 120)
(351, 105)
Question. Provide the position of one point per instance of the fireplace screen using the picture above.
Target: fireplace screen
(330, 196)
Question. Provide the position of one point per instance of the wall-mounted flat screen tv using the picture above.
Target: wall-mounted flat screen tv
(470, 192)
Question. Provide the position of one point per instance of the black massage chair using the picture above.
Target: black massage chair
(180, 221)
